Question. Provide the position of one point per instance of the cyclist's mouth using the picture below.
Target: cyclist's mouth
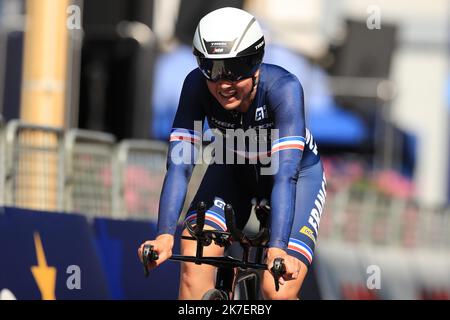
(228, 94)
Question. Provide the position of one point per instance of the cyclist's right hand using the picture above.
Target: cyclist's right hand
(162, 245)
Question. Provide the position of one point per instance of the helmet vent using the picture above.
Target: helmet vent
(245, 32)
(201, 39)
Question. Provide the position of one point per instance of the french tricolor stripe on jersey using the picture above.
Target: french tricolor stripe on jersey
(301, 247)
(179, 134)
(209, 216)
(292, 142)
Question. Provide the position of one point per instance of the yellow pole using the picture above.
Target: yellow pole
(45, 62)
(43, 101)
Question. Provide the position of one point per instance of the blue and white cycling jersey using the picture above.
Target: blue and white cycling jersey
(296, 190)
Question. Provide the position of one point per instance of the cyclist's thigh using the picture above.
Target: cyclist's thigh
(309, 203)
(220, 185)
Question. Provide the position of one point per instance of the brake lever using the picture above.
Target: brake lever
(148, 255)
(278, 270)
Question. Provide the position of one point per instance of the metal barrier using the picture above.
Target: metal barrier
(33, 166)
(141, 167)
(370, 218)
(83, 171)
(89, 176)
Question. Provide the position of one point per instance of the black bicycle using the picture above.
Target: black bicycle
(247, 276)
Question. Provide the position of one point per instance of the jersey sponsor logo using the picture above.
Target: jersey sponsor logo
(269, 125)
(259, 45)
(316, 212)
(311, 143)
(218, 44)
(219, 203)
(222, 124)
(217, 47)
(308, 232)
(261, 113)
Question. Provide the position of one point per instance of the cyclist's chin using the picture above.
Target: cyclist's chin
(230, 104)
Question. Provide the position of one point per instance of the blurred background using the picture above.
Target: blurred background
(88, 93)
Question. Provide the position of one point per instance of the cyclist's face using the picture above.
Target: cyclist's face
(231, 94)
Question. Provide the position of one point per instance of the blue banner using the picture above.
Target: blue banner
(62, 256)
(49, 256)
(118, 242)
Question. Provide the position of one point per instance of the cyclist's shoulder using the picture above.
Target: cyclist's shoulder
(194, 87)
(195, 80)
(274, 76)
(194, 75)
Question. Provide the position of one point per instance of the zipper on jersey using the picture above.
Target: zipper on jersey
(240, 123)
(254, 165)
(242, 127)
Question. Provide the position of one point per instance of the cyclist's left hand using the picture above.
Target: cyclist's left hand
(292, 265)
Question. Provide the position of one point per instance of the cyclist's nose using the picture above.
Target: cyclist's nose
(225, 84)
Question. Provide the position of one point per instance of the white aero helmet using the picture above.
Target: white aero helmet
(228, 44)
